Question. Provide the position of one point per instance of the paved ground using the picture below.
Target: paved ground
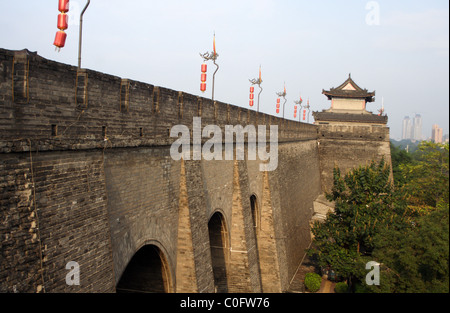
(308, 266)
(327, 286)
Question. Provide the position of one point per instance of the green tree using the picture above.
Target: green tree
(365, 202)
(426, 179)
(417, 258)
(399, 157)
(405, 228)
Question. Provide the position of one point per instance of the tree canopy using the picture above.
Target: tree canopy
(402, 225)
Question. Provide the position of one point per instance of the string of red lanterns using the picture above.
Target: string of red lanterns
(203, 77)
(61, 36)
(281, 94)
(258, 82)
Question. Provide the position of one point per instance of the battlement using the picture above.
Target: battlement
(58, 107)
(354, 132)
(107, 186)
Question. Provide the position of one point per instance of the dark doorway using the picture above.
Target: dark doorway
(218, 239)
(256, 219)
(147, 272)
(255, 212)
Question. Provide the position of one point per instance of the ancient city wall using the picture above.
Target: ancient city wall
(86, 176)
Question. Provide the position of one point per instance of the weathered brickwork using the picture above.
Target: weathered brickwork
(348, 146)
(57, 215)
(86, 176)
(185, 271)
(20, 266)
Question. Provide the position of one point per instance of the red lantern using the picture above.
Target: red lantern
(278, 110)
(304, 114)
(63, 21)
(203, 77)
(63, 6)
(60, 39)
(252, 96)
(61, 36)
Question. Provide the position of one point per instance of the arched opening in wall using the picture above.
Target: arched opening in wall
(255, 212)
(218, 240)
(256, 220)
(147, 272)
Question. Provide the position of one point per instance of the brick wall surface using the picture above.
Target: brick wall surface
(86, 175)
(347, 147)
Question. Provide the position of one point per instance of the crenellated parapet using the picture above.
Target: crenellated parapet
(59, 107)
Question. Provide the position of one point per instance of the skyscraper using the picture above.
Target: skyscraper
(406, 129)
(417, 128)
(436, 134)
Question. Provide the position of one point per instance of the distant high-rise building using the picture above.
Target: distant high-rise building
(406, 129)
(417, 128)
(436, 134)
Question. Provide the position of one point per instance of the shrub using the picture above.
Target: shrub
(360, 288)
(313, 282)
(341, 287)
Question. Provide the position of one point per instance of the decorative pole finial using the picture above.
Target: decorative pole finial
(212, 56)
(299, 102)
(283, 94)
(257, 82)
(309, 109)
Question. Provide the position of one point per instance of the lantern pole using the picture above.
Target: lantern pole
(214, 75)
(212, 56)
(299, 102)
(283, 94)
(257, 82)
(308, 107)
(81, 33)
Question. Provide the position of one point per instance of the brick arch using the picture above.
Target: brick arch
(148, 271)
(255, 207)
(219, 240)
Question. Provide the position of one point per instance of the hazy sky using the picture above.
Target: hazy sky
(398, 48)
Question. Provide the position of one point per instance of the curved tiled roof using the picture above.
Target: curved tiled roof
(355, 92)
